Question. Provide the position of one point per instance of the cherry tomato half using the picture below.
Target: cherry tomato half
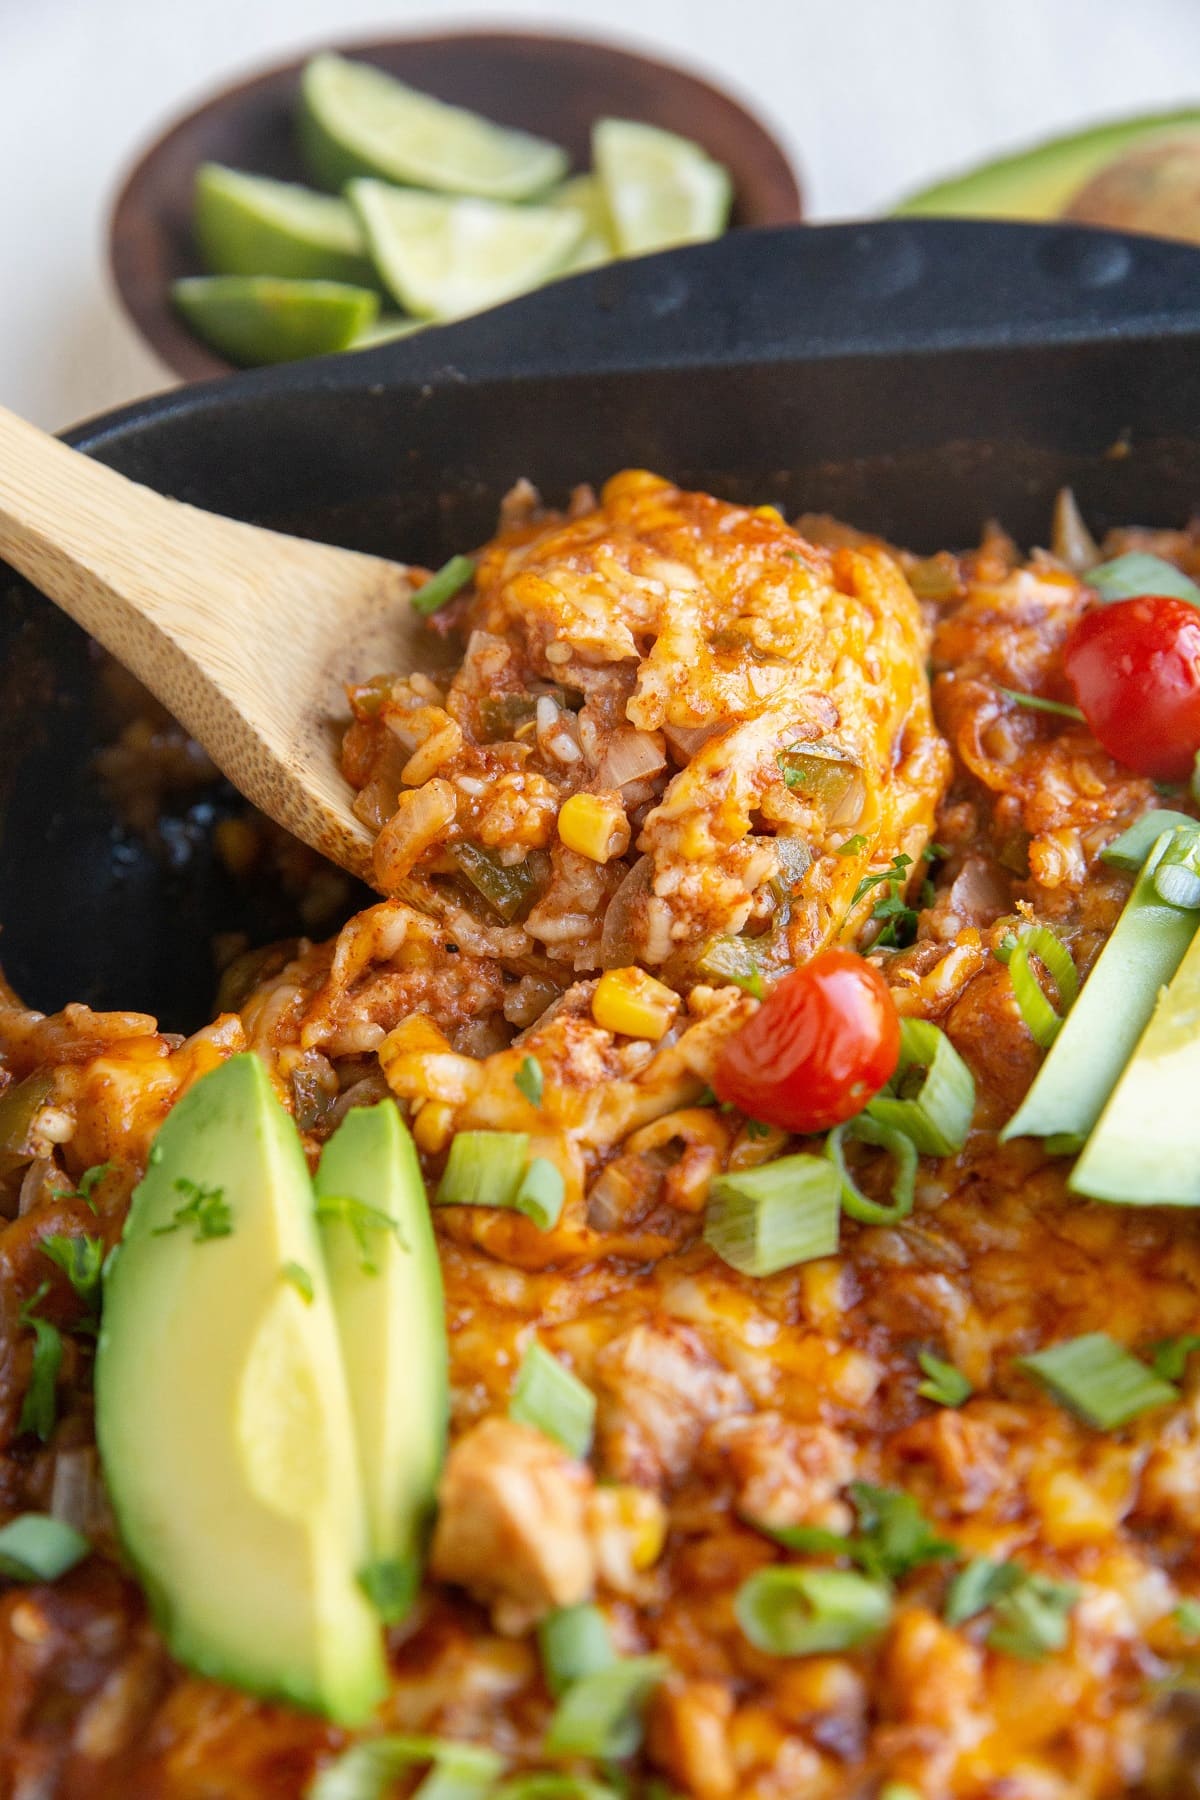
(820, 1045)
(1135, 669)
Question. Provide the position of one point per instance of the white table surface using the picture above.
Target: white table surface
(872, 97)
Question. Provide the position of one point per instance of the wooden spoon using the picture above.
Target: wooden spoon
(245, 635)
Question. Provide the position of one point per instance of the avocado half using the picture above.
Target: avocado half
(1132, 174)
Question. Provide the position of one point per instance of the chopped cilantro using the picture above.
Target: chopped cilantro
(205, 1209)
(40, 1405)
(530, 1081)
(756, 1130)
(300, 1279)
(893, 1535)
(81, 1260)
(976, 1587)
(1030, 1612)
(362, 1221)
(1033, 1618)
(899, 919)
(89, 1181)
(946, 1386)
(934, 852)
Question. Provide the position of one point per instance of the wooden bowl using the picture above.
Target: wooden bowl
(553, 86)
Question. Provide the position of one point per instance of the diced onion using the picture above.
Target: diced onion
(630, 755)
(1070, 539)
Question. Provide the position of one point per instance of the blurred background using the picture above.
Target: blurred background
(871, 98)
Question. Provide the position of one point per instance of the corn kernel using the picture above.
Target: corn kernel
(769, 512)
(432, 1126)
(632, 1002)
(594, 825)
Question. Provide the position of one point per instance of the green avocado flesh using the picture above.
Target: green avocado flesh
(1105, 1023)
(386, 1284)
(1040, 183)
(1143, 1151)
(223, 1415)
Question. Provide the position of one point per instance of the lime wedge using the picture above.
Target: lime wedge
(386, 330)
(584, 195)
(442, 257)
(357, 120)
(660, 189)
(250, 225)
(266, 319)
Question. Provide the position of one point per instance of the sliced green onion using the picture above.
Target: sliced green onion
(1131, 849)
(574, 1642)
(1186, 1618)
(1042, 1019)
(1136, 573)
(900, 1148)
(763, 1220)
(946, 1385)
(1099, 1379)
(450, 579)
(1112, 1010)
(601, 1715)
(1030, 1612)
(1033, 1618)
(35, 1547)
(547, 1395)
(529, 1080)
(484, 1168)
(548, 1786)
(730, 959)
(1035, 703)
(1169, 1357)
(541, 1193)
(937, 1116)
(369, 1771)
(1177, 877)
(800, 1612)
(510, 889)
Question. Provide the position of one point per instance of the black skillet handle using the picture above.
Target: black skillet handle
(881, 287)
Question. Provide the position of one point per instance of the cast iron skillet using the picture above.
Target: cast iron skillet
(913, 376)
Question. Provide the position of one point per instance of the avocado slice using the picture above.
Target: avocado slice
(1043, 181)
(222, 1412)
(1087, 1057)
(1143, 1151)
(386, 1282)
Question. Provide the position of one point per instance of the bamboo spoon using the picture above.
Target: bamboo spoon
(246, 636)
